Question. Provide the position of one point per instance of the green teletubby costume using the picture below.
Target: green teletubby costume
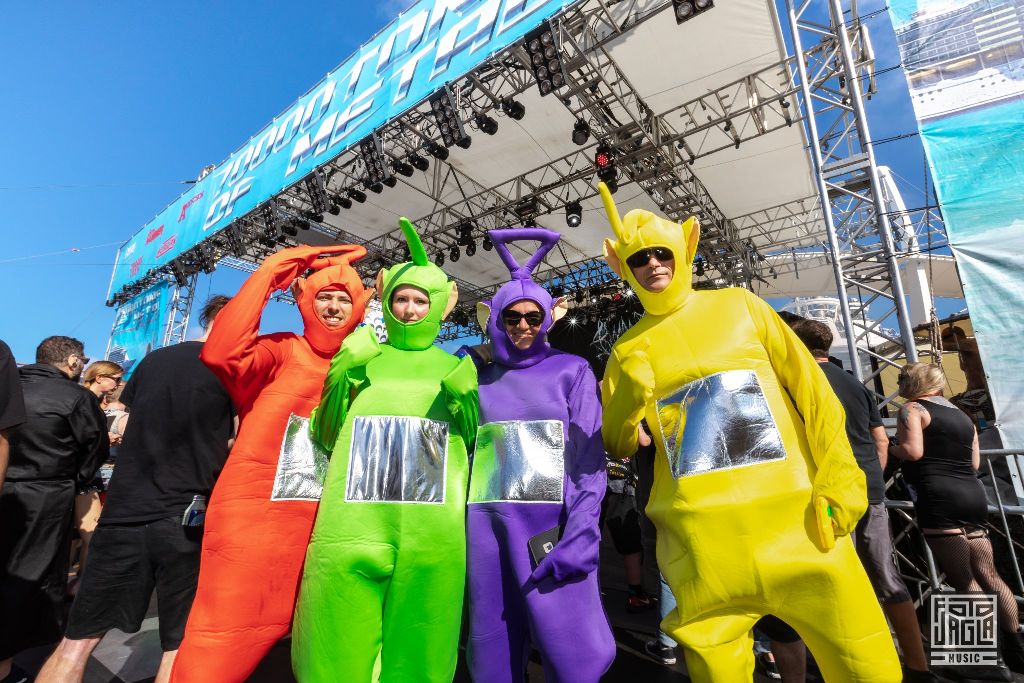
(386, 566)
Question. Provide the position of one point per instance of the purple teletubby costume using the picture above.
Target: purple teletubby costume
(539, 464)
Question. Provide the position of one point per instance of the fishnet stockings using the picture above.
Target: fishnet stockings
(966, 559)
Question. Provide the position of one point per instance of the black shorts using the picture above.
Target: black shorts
(619, 511)
(874, 546)
(126, 562)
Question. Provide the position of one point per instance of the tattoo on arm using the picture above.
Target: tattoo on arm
(905, 411)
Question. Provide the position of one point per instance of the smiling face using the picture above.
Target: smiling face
(409, 303)
(653, 268)
(333, 307)
(522, 321)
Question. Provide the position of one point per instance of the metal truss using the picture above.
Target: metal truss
(833, 81)
(179, 310)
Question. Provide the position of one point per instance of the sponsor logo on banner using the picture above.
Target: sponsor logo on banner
(431, 43)
(166, 246)
(136, 265)
(963, 629)
(154, 233)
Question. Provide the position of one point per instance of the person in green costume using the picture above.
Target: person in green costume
(386, 566)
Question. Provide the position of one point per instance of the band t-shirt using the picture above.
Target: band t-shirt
(861, 415)
(176, 440)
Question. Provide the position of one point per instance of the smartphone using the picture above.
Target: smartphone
(543, 543)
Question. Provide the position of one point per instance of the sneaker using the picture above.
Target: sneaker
(765, 663)
(640, 603)
(660, 652)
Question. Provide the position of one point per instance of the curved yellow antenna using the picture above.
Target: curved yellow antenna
(612, 211)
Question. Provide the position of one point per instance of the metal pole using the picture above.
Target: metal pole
(830, 228)
(1006, 525)
(884, 231)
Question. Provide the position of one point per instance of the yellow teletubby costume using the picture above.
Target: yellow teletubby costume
(754, 475)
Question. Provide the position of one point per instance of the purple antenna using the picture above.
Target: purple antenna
(502, 238)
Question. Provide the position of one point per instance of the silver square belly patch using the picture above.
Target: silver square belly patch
(718, 422)
(301, 465)
(397, 459)
(518, 462)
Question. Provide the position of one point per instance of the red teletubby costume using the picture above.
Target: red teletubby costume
(256, 537)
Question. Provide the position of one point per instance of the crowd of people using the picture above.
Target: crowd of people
(382, 499)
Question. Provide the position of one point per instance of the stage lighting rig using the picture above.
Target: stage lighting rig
(485, 123)
(402, 168)
(372, 153)
(487, 243)
(357, 195)
(544, 59)
(390, 181)
(343, 202)
(514, 109)
(375, 188)
(439, 259)
(454, 254)
(437, 151)
(446, 115)
(688, 9)
(580, 132)
(333, 208)
(418, 162)
(573, 214)
(289, 229)
(604, 162)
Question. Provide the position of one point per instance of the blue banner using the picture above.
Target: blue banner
(964, 61)
(430, 44)
(139, 326)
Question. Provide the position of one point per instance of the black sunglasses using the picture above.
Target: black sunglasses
(512, 318)
(642, 257)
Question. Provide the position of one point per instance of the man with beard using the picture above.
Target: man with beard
(59, 447)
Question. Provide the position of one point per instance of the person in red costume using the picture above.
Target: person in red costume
(262, 509)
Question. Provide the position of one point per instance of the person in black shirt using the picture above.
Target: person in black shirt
(176, 442)
(940, 446)
(58, 448)
(12, 404)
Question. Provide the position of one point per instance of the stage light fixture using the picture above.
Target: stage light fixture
(700, 267)
(580, 132)
(454, 254)
(487, 243)
(439, 259)
(446, 115)
(514, 109)
(289, 229)
(545, 60)
(178, 271)
(402, 168)
(390, 181)
(333, 209)
(687, 9)
(372, 152)
(573, 214)
(464, 142)
(471, 248)
(485, 123)
(604, 161)
(419, 162)
(437, 151)
(315, 216)
(303, 224)
(357, 195)
(375, 188)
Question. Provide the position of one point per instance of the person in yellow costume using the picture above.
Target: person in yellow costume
(755, 485)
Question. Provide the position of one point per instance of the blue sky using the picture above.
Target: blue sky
(109, 106)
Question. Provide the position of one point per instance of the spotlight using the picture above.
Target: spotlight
(333, 209)
(342, 201)
(437, 151)
(372, 152)
(454, 254)
(514, 109)
(700, 267)
(315, 216)
(487, 243)
(573, 214)
(390, 181)
(604, 161)
(544, 59)
(375, 188)
(303, 224)
(402, 168)
(687, 9)
(471, 248)
(419, 162)
(357, 195)
(439, 259)
(580, 132)
(485, 123)
(464, 142)
(446, 115)
(289, 229)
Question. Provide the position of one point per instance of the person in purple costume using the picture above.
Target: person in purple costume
(539, 465)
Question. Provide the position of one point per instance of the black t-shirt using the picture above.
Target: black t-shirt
(12, 403)
(861, 415)
(176, 441)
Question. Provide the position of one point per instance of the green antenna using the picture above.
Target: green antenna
(416, 251)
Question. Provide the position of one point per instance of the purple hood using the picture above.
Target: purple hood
(520, 287)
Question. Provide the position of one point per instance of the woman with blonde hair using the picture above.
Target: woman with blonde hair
(940, 446)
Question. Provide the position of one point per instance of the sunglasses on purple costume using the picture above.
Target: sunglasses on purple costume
(512, 318)
(642, 257)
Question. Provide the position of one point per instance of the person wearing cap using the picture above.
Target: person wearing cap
(539, 466)
(262, 510)
(386, 567)
(755, 485)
